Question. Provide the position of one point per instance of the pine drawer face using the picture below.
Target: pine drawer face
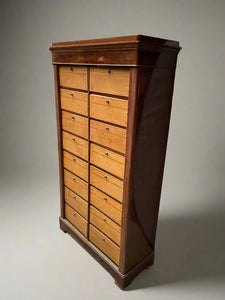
(104, 224)
(104, 244)
(73, 77)
(75, 124)
(114, 81)
(74, 101)
(107, 183)
(107, 160)
(106, 204)
(75, 145)
(74, 218)
(76, 202)
(108, 135)
(75, 165)
(109, 109)
(77, 185)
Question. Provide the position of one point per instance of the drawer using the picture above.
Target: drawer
(73, 77)
(108, 160)
(104, 244)
(107, 226)
(75, 165)
(108, 135)
(113, 81)
(109, 109)
(75, 145)
(76, 102)
(75, 124)
(76, 202)
(73, 217)
(106, 204)
(77, 185)
(107, 183)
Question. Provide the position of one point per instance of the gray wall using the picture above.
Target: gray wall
(38, 261)
(195, 157)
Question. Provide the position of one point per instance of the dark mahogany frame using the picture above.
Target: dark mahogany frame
(152, 64)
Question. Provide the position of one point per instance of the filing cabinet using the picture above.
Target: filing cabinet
(113, 104)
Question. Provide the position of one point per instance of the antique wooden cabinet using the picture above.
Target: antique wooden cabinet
(113, 103)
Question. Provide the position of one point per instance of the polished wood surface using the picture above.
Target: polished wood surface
(75, 145)
(76, 202)
(106, 204)
(74, 101)
(77, 185)
(107, 183)
(73, 217)
(113, 102)
(73, 77)
(104, 244)
(75, 124)
(108, 135)
(105, 225)
(107, 160)
(116, 80)
(75, 165)
(109, 109)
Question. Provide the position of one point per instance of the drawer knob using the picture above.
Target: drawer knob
(74, 159)
(109, 71)
(74, 214)
(74, 139)
(71, 69)
(103, 240)
(105, 177)
(104, 219)
(106, 153)
(74, 179)
(105, 198)
(73, 118)
(107, 128)
(74, 197)
(71, 94)
(107, 101)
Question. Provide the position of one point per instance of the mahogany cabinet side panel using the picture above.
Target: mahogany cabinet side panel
(153, 117)
(59, 136)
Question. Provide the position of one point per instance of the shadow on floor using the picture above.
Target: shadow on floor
(188, 247)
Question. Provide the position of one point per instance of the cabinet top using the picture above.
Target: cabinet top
(124, 50)
(138, 40)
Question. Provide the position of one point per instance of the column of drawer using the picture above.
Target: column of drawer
(108, 145)
(74, 106)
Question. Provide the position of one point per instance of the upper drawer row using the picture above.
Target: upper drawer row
(113, 81)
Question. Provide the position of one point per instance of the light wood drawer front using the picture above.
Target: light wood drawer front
(104, 244)
(107, 226)
(75, 124)
(75, 145)
(73, 77)
(75, 165)
(109, 109)
(76, 102)
(77, 185)
(73, 217)
(108, 160)
(107, 183)
(106, 204)
(110, 80)
(108, 135)
(76, 202)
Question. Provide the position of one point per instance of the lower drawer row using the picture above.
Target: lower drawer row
(105, 220)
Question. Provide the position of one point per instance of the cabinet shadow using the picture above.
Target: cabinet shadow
(188, 248)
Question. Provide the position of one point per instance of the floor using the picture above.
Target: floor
(38, 261)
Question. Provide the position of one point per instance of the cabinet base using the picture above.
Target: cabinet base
(122, 280)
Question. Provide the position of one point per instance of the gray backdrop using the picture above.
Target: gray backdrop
(40, 262)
